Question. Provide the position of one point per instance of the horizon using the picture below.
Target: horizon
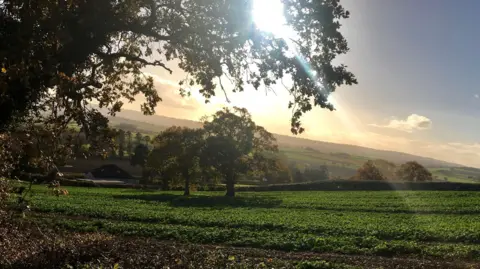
(290, 135)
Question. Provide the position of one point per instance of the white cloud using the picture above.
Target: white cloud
(477, 96)
(412, 123)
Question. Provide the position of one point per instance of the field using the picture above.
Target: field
(431, 225)
(458, 174)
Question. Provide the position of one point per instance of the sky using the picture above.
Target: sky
(418, 92)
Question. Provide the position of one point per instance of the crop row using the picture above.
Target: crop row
(288, 241)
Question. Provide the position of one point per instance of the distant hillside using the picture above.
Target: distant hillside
(393, 156)
(156, 123)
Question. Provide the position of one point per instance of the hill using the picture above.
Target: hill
(154, 124)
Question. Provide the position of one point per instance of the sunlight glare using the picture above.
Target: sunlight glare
(269, 17)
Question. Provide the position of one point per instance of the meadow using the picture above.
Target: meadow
(428, 225)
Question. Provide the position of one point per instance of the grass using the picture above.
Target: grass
(444, 225)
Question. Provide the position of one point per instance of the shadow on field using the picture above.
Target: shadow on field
(206, 201)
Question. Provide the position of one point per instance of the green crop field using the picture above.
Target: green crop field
(436, 225)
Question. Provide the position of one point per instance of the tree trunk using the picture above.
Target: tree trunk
(165, 185)
(230, 186)
(187, 184)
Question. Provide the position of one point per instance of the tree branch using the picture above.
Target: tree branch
(133, 58)
(223, 89)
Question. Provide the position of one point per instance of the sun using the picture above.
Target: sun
(268, 15)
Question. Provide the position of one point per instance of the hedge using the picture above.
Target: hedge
(351, 185)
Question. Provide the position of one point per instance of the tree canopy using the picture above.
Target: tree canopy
(176, 154)
(369, 171)
(413, 171)
(140, 155)
(235, 145)
(72, 53)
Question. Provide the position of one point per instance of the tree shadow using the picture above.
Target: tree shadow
(205, 201)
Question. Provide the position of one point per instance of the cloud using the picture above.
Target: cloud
(412, 123)
(477, 96)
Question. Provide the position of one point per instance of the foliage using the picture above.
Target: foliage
(31, 248)
(140, 155)
(363, 185)
(11, 147)
(121, 143)
(78, 51)
(369, 172)
(388, 169)
(413, 171)
(129, 143)
(138, 139)
(54, 189)
(176, 153)
(235, 145)
(37, 147)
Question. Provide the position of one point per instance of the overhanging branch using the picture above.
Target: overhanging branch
(132, 58)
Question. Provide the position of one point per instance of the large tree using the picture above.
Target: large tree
(129, 137)
(178, 149)
(140, 155)
(413, 171)
(368, 171)
(121, 143)
(138, 139)
(79, 51)
(235, 145)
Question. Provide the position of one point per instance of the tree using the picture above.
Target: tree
(235, 145)
(369, 171)
(121, 143)
(147, 140)
(178, 149)
(139, 156)
(138, 139)
(113, 153)
(160, 169)
(80, 51)
(413, 171)
(388, 169)
(129, 143)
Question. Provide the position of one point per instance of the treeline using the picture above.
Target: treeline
(382, 170)
(230, 148)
